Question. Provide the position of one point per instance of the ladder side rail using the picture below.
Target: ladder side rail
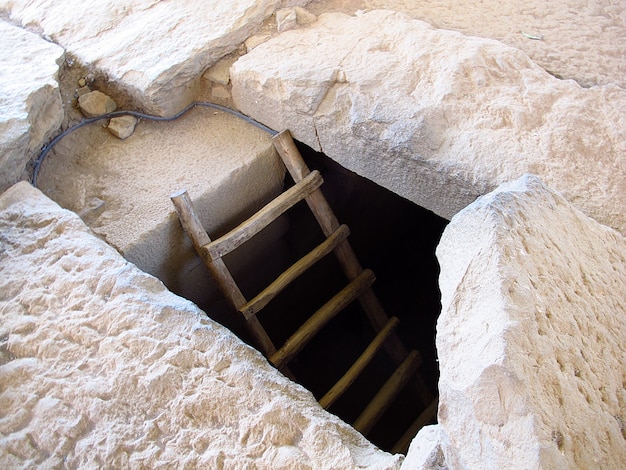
(192, 225)
(325, 216)
(427, 416)
(289, 153)
(261, 219)
(320, 318)
(359, 365)
(385, 396)
(297, 269)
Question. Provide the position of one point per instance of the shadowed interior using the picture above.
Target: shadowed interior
(390, 235)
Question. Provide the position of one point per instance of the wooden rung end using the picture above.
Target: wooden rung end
(250, 227)
(425, 417)
(359, 365)
(385, 396)
(189, 219)
(286, 148)
(317, 321)
(288, 151)
(192, 226)
(266, 295)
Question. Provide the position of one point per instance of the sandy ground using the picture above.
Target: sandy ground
(584, 40)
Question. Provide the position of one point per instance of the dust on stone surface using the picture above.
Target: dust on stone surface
(581, 40)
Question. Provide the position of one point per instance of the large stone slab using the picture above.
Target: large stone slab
(574, 39)
(438, 117)
(531, 336)
(29, 99)
(154, 51)
(101, 366)
(122, 188)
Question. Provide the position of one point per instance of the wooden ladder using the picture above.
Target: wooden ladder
(307, 187)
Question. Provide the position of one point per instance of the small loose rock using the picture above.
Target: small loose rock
(286, 19)
(220, 72)
(96, 103)
(122, 126)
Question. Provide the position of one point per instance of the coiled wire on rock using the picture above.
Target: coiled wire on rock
(139, 115)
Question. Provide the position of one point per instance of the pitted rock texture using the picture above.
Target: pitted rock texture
(122, 188)
(531, 335)
(574, 39)
(426, 451)
(29, 99)
(153, 51)
(437, 117)
(101, 366)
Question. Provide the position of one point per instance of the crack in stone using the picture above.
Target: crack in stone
(317, 136)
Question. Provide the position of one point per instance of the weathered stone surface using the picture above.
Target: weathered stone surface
(122, 127)
(255, 40)
(531, 335)
(581, 40)
(220, 92)
(304, 16)
(286, 19)
(154, 51)
(438, 117)
(95, 103)
(228, 166)
(101, 366)
(426, 451)
(291, 18)
(220, 73)
(29, 99)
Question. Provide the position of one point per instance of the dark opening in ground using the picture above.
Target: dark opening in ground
(397, 240)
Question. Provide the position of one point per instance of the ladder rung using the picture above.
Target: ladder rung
(364, 359)
(288, 151)
(422, 420)
(266, 295)
(250, 227)
(317, 321)
(385, 396)
(191, 224)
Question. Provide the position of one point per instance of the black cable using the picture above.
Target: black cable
(139, 115)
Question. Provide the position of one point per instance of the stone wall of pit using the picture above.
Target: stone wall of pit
(532, 288)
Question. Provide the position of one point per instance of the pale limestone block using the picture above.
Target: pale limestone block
(95, 103)
(286, 19)
(122, 127)
(436, 116)
(582, 40)
(228, 166)
(153, 51)
(220, 72)
(425, 452)
(254, 41)
(29, 99)
(102, 366)
(531, 335)
(220, 92)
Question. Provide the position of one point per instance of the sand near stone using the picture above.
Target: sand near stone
(581, 40)
(578, 40)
